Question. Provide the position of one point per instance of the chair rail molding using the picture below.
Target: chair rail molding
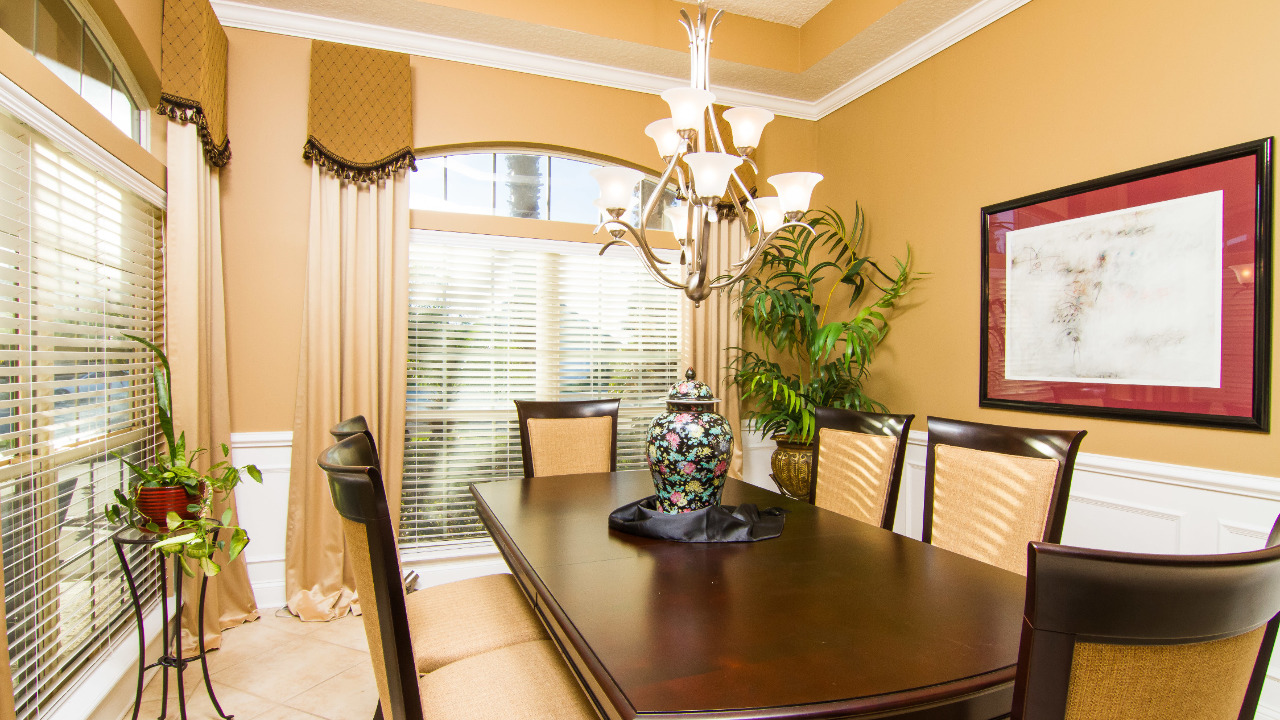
(317, 27)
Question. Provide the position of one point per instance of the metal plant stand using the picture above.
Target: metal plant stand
(171, 655)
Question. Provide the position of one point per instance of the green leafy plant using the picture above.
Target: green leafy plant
(191, 539)
(784, 310)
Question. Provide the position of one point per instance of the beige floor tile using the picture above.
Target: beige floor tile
(287, 713)
(240, 704)
(192, 680)
(351, 695)
(280, 619)
(347, 632)
(286, 672)
(248, 642)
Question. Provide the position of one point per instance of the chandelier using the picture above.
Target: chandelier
(703, 170)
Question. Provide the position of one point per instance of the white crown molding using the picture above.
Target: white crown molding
(30, 111)
(286, 22)
(1261, 487)
(940, 38)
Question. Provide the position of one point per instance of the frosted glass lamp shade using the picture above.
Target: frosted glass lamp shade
(769, 215)
(795, 189)
(617, 185)
(688, 106)
(678, 217)
(711, 172)
(747, 123)
(665, 137)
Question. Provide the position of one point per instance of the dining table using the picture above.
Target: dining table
(834, 618)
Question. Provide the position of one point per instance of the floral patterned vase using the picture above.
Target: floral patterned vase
(689, 449)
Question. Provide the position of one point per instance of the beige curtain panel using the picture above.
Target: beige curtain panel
(360, 117)
(712, 329)
(196, 331)
(193, 74)
(353, 362)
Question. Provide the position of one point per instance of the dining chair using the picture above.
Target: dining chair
(526, 679)
(353, 425)
(1140, 637)
(568, 437)
(991, 489)
(460, 618)
(857, 463)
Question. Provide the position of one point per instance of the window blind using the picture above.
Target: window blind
(80, 264)
(497, 320)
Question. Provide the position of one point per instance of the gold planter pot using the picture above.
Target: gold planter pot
(792, 464)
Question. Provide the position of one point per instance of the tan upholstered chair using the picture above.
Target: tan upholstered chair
(991, 489)
(457, 619)
(527, 680)
(1109, 635)
(857, 463)
(566, 438)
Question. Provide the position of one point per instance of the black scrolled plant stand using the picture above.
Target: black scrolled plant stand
(171, 654)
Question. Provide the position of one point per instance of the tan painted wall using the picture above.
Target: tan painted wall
(266, 187)
(1060, 91)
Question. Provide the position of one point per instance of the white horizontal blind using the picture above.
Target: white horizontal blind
(80, 264)
(496, 320)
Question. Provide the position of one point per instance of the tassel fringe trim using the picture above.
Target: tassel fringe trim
(190, 111)
(358, 172)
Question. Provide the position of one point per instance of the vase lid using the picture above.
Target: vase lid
(691, 391)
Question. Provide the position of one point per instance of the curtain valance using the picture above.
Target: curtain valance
(193, 73)
(360, 117)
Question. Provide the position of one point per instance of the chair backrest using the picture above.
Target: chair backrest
(352, 426)
(1121, 635)
(366, 525)
(857, 463)
(991, 489)
(563, 438)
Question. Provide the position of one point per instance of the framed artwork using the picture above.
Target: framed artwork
(1143, 296)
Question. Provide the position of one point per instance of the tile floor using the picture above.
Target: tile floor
(279, 668)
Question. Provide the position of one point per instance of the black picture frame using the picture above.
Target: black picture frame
(1243, 174)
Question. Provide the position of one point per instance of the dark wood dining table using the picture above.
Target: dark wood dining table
(833, 619)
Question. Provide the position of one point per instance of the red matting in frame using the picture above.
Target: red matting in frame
(1243, 174)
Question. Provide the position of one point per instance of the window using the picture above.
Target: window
(61, 39)
(521, 185)
(80, 264)
(492, 320)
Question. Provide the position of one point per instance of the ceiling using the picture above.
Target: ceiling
(803, 58)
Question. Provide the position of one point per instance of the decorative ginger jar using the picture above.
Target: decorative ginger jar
(689, 448)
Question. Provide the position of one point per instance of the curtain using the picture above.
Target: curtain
(353, 361)
(193, 74)
(712, 329)
(196, 339)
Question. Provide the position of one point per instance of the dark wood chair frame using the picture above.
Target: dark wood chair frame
(355, 486)
(351, 426)
(1080, 595)
(527, 410)
(896, 426)
(1060, 445)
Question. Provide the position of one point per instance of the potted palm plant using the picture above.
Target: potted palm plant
(173, 499)
(812, 353)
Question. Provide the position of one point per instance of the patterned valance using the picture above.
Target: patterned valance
(360, 119)
(193, 73)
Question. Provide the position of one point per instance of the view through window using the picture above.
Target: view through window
(492, 320)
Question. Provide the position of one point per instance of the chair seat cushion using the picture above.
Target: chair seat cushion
(456, 620)
(518, 682)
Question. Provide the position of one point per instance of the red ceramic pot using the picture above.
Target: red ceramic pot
(155, 504)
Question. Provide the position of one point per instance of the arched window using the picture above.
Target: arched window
(536, 185)
(66, 37)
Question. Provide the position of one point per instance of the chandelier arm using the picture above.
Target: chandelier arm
(635, 233)
(744, 266)
(654, 271)
(647, 215)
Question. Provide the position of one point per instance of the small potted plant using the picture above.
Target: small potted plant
(173, 499)
(813, 353)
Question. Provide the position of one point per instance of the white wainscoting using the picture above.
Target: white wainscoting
(1116, 503)
(1120, 504)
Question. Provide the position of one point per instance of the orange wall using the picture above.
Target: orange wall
(1059, 91)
